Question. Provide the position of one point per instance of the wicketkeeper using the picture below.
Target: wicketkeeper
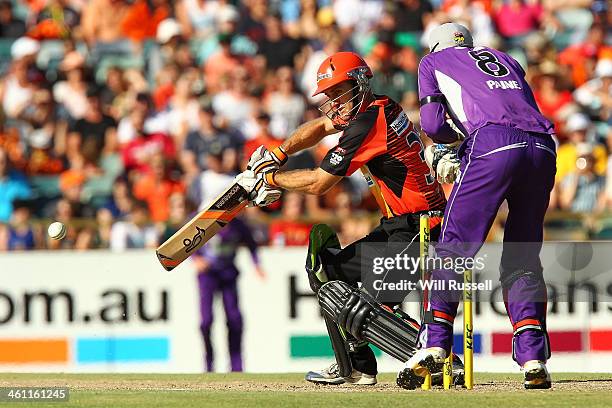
(379, 139)
(508, 154)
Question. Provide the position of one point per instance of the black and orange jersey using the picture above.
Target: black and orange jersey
(382, 142)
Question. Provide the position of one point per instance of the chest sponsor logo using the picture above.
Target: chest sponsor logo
(401, 124)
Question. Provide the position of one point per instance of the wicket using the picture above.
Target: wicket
(468, 327)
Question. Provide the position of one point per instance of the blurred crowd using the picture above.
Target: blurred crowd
(120, 118)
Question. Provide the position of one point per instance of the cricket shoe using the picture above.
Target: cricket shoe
(423, 362)
(437, 377)
(321, 236)
(331, 375)
(537, 376)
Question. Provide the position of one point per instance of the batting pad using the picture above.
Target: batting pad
(365, 318)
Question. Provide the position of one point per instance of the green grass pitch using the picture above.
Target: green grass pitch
(290, 390)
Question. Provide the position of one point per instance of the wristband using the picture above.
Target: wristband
(280, 155)
(270, 179)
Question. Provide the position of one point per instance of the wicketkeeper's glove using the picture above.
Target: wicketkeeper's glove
(443, 160)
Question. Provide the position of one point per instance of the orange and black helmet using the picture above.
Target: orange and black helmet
(342, 66)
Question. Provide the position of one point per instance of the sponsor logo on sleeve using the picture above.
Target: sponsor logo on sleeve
(400, 124)
(337, 156)
(335, 159)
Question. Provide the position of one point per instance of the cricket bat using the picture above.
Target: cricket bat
(202, 227)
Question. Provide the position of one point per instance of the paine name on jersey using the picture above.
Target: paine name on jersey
(503, 85)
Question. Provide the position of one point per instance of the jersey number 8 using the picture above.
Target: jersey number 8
(489, 64)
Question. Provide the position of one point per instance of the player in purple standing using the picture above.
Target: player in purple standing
(217, 273)
(508, 154)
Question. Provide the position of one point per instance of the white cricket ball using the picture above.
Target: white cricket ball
(57, 230)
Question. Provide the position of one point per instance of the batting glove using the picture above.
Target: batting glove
(264, 160)
(266, 191)
(247, 180)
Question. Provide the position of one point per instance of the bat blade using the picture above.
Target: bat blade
(202, 227)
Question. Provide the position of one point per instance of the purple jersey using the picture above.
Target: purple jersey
(482, 86)
(220, 251)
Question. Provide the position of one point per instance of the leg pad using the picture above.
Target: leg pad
(368, 320)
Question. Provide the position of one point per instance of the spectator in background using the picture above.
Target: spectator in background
(169, 35)
(104, 223)
(101, 25)
(177, 217)
(516, 19)
(413, 15)
(236, 105)
(289, 230)
(207, 139)
(137, 154)
(113, 94)
(121, 202)
(583, 190)
(135, 231)
(21, 235)
(221, 64)
(10, 26)
(477, 14)
(43, 136)
(71, 93)
(197, 17)
(581, 57)
(263, 137)
(596, 95)
(71, 183)
(93, 127)
(217, 273)
(285, 106)
(182, 109)
(304, 19)
(156, 187)
(57, 20)
(211, 182)
(17, 88)
(252, 19)
(277, 47)
(99, 186)
(579, 132)
(13, 186)
(142, 19)
(551, 93)
(389, 79)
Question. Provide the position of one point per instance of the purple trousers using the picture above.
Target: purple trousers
(500, 163)
(210, 283)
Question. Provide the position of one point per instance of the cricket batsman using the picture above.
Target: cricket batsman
(508, 154)
(380, 140)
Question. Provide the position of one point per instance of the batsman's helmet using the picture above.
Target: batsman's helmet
(340, 67)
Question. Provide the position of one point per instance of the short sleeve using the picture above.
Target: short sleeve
(356, 145)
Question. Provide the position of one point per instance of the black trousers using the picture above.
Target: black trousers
(352, 264)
